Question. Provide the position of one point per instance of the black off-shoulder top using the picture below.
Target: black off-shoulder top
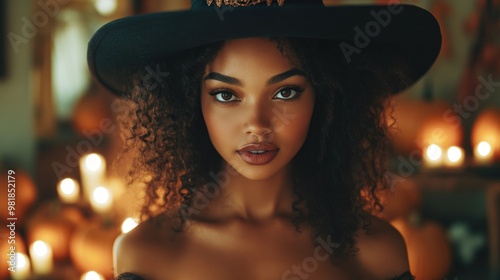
(129, 276)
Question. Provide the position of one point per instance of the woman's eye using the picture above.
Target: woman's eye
(288, 93)
(224, 96)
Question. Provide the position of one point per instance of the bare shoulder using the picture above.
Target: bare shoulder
(382, 250)
(138, 251)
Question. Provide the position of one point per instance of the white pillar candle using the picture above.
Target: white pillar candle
(68, 190)
(22, 268)
(93, 172)
(41, 257)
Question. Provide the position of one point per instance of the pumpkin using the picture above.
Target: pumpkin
(429, 249)
(413, 130)
(441, 10)
(92, 247)
(54, 224)
(25, 191)
(400, 200)
(440, 130)
(90, 111)
(487, 128)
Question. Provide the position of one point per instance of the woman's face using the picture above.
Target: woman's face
(257, 107)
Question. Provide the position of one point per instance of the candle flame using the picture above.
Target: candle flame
(105, 7)
(454, 154)
(92, 275)
(484, 148)
(68, 186)
(101, 195)
(434, 152)
(93, 161)
(128, 225)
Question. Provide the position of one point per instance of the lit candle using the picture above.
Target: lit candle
(483, 153)
(93, 171)
(128, 225)
(41, 257)
(68, 190)
(101, 200)
(92, 275)
(22, 268)
(433, 156)
(105, 7)
(454, 156)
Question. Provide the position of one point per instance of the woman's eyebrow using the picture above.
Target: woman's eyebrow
(234, 81)
(285, 75)
(223, 78)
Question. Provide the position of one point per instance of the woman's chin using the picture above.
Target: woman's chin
(257, 172)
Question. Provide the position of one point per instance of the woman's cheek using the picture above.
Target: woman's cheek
(220, 128)
(292, 121)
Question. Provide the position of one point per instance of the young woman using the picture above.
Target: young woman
(260, 137)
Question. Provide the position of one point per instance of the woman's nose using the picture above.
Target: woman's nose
(259, 120)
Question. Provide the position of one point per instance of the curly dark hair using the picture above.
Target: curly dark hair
(338, 171)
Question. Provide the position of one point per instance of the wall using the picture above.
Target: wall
(17, 142)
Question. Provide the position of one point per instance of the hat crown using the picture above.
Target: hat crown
(122, 48)
(202, 4)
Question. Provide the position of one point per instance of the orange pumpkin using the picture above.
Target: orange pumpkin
(441, 10)
(92, 247)
(487, 128)
(418, 123)
(90, 111)
(54, 224)
(440, 130)
(400, 200)
(25, 191)
(429, 249)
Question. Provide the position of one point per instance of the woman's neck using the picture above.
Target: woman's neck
(253, 200)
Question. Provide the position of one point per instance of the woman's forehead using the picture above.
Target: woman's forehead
(249, 53)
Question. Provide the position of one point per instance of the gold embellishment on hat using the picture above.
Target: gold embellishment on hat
(243, 3)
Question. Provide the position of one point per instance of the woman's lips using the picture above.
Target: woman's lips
(258, 153)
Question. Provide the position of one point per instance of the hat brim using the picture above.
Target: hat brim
(122, 47)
